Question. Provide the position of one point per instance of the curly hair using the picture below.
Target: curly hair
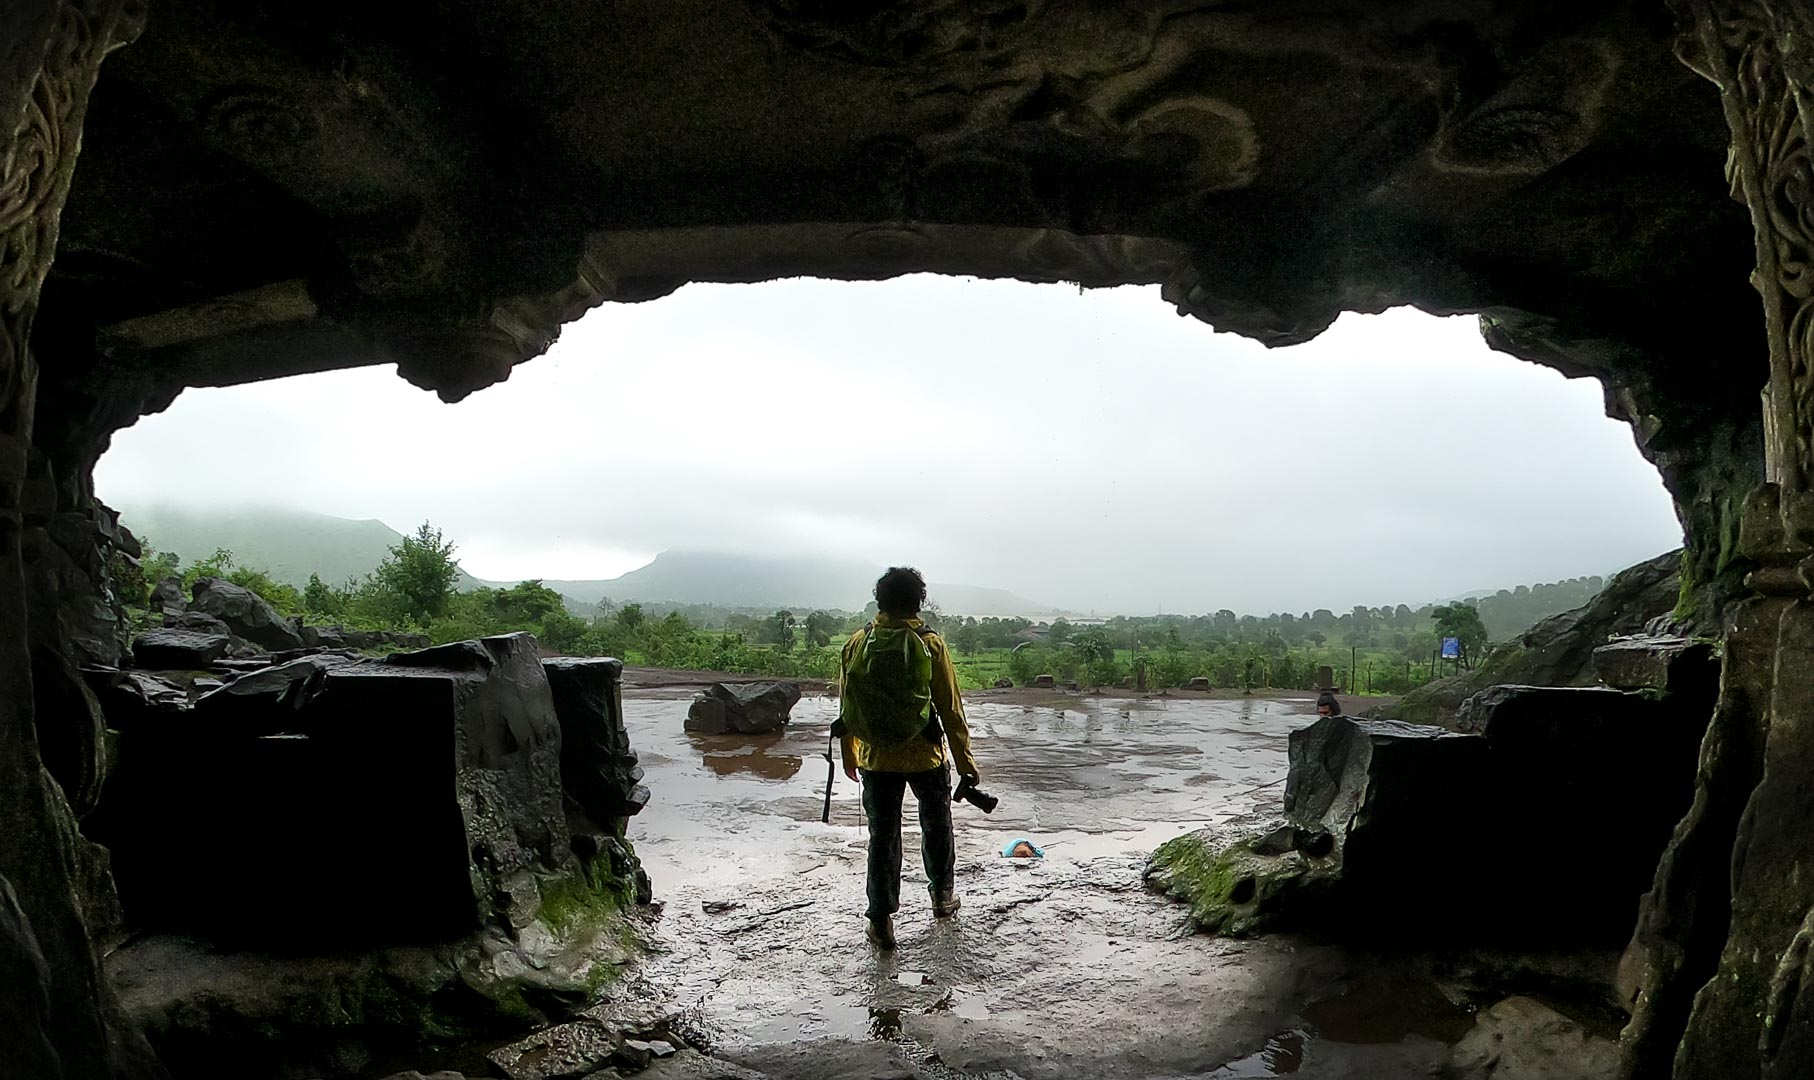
(901, 591)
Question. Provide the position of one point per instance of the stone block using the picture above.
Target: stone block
(178, 650)
(407, 799)
(1655, 663)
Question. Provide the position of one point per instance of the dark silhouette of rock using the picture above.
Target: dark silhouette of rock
(598, 768)
(178, 650)
(1043, 682)
(24, 995)
(1004, 684)
(247, 614)
(410, 798)
(1410, 829)
(127, 697)
(755, 708)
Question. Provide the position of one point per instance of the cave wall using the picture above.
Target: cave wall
(66, 1022)
(270, 190)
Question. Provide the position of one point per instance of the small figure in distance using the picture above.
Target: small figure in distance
(1326, 705)
(899, 709)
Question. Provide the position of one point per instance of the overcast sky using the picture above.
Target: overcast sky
(1091, 450)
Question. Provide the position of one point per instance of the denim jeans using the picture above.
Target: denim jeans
(882, 797)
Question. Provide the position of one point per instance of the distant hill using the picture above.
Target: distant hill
(287, 544)
(748, 581)
(291, 544)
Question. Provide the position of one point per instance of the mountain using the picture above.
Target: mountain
(798, 582)
(287, 544)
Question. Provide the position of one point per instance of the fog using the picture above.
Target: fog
(1087, 449)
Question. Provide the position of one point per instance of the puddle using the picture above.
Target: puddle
(1388, 1011)
(1282, 1055)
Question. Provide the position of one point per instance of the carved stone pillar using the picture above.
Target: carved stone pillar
(50, 54)
(1752, 1016)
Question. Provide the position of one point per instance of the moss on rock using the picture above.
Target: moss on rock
(1238, 887)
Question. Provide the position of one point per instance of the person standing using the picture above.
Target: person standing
(899, 707)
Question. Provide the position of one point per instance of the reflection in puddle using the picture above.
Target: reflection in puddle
(884, 1023)
(729, 755)
(1283, 1053)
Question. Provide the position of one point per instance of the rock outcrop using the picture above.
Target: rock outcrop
(753, 708)
(1559, 651)
(431, 779)
(1430, 834)
(388, 839)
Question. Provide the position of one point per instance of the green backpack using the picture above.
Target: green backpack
(887, 698)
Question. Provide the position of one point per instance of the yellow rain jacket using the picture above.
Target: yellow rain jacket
(916, 755)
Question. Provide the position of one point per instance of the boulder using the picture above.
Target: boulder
(599, 771)
(1043, 682)
(1004, 684)
(195, 621)
(167, 595)
(1523, 1039)
(754, 708)
(564, 1052)
(178, 650)
(246, 613)
(706, 716)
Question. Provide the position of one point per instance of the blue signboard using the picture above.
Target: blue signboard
(1451, 648)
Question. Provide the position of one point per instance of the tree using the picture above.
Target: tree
(820, 626)
(1059, 633)
(778, 629)
(630, 617)
(968, 637)
(419, 573)
(1462, 622)
(320, 598)
(1093, 646)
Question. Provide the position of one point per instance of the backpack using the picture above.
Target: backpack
(887, 698)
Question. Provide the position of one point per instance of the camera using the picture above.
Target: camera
(967, 791)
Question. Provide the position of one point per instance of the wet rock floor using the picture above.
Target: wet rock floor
(1060, 967)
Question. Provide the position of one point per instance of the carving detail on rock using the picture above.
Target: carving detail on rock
(1752, 799)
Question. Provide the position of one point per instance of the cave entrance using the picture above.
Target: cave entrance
(1067, 431)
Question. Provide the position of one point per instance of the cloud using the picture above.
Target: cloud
(1085, 449)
